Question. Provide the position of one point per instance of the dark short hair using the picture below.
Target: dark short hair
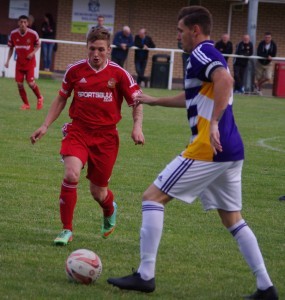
(50, 18)
(197, 15)
(23, 17)
(267, 33)
(96, 34)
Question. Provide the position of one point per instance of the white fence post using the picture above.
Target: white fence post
(170, 77)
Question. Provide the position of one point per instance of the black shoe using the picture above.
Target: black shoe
(269, 294)
(282, 198)
(133, 282)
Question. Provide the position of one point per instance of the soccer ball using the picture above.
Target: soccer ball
(83, 266)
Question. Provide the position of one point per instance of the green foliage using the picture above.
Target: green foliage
(198, 259)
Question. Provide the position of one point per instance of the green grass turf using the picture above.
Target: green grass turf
(198, 259)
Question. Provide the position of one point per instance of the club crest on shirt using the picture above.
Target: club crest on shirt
(28, 41)
(112, 83)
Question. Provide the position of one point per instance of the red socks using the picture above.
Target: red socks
(67, 202)
(36, 91)
(107, 205)
(23, 95)
(68, 199)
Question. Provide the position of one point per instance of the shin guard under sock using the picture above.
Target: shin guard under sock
(23, 95)
(107, 204)
(67, 202)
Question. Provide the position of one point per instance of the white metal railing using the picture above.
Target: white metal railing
(171, 62)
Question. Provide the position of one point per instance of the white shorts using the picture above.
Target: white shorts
(217, 184)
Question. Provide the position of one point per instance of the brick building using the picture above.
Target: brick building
(159, 17)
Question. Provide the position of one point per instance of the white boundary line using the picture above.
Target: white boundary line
(262, 143)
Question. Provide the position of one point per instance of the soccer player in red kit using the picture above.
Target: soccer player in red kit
(26, 43)
(99, 86)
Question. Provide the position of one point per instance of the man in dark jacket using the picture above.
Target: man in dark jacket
(245, 48)
(123, 40)
(224, 45)
(143, 42)
(264, 67)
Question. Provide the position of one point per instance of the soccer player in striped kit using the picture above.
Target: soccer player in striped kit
(211, 165)
(99, 87)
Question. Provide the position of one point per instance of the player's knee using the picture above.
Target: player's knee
(32, 84)
(98, 194)
(20, 85)
(229, 218)
(146, 196)
(152, 193)
(71, 175)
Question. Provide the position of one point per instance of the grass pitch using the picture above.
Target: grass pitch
(198, 259)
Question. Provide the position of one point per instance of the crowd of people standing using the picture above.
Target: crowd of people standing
(123, 40)
(263, 69)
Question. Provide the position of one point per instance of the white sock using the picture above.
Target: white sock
(250, 250)
(151, 231)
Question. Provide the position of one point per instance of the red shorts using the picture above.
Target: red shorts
(98, 148)
(21, 74)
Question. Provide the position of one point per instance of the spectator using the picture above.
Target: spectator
(32, 23)
(264, 67)
(224, 45)
(123, 40)
(143, 42)
(100, 24)
(26, 61)
(245, 48)
(48, 32)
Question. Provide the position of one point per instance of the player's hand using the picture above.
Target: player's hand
(38, 134)
(215, 137)
(145, 99)
(6, 65)
(137, 136)
(30, 56)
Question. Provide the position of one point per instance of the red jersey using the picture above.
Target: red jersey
(98, 95)
(24, 44)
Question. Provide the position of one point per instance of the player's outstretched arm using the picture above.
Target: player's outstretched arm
(56, 108)
(174, 101)
(137, 133)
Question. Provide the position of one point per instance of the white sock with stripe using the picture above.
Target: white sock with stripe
(151, 231)
(250, 250)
